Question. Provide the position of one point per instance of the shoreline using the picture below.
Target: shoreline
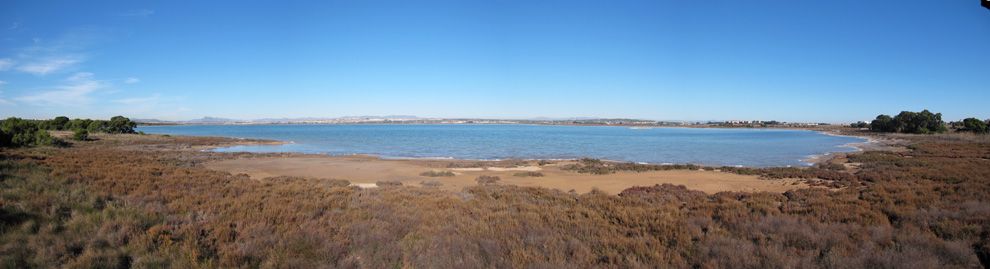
(870, 143)
(371, 172)
(365, 171)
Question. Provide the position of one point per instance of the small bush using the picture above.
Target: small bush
(487, 180)
(338, 183)
(431, 184)
(80, 135)
(434, 173)
(388, 184)
(528, 174)
(43, 138)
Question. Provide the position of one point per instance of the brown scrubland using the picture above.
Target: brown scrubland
(149, 202)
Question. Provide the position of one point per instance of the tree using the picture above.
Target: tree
(974, 125)
(120, 125)
(924, 122)
(17, 132)
(883, 123)
(60, 123)
(95, 126)
(43, 138)
(859, 124)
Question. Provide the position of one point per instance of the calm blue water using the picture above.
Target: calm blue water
(746, 147)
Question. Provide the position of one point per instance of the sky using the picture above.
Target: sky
(805, 61)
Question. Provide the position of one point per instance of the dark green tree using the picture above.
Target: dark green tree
(96, 126)
(59, 123)
(883, 123)
(17, 132)
(120, 125)
(974, 125)
(924, 122)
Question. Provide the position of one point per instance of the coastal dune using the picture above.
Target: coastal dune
(367, 170)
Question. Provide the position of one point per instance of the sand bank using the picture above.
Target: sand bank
(368, 170)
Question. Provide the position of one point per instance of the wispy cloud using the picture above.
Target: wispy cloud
(5, 64)
(150, 100)
(132, 80)
(2, 100)
(48, 56)
(137, 13)
(49, 65)
(14, 26)
(75, 92)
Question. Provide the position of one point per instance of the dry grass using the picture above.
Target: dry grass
(115, 204)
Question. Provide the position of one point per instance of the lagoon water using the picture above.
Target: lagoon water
(709, 146)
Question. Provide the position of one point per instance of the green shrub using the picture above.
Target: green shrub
(80, 135)
(43, 138)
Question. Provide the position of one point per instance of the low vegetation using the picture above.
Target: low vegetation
(16, 132)
(431, 184)
(487, 180)
(528, 174)
(109, 204)
(599, 167)
(80, 135)
(435, 173)
(388, 183)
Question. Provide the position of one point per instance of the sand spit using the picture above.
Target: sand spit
(365, 171)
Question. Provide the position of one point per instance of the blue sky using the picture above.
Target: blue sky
(831, 61)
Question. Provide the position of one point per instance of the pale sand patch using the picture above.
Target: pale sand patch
(518, 168)
(471, 169)
(365, 171)
(366, 185)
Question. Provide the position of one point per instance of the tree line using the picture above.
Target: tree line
(17, 132)
(924, 122)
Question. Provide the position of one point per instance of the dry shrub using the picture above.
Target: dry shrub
(431, 184)
(112, 203)
(435, 173)
(388, 184)
(487, 180)
(599, 167)
(528, 174)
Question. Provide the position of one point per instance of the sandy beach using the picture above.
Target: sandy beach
(366, 170)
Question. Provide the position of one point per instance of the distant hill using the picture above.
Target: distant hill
(212, 120)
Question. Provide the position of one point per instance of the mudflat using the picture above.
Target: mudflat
(367, 170)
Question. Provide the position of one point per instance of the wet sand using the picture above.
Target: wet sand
(365, 170)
